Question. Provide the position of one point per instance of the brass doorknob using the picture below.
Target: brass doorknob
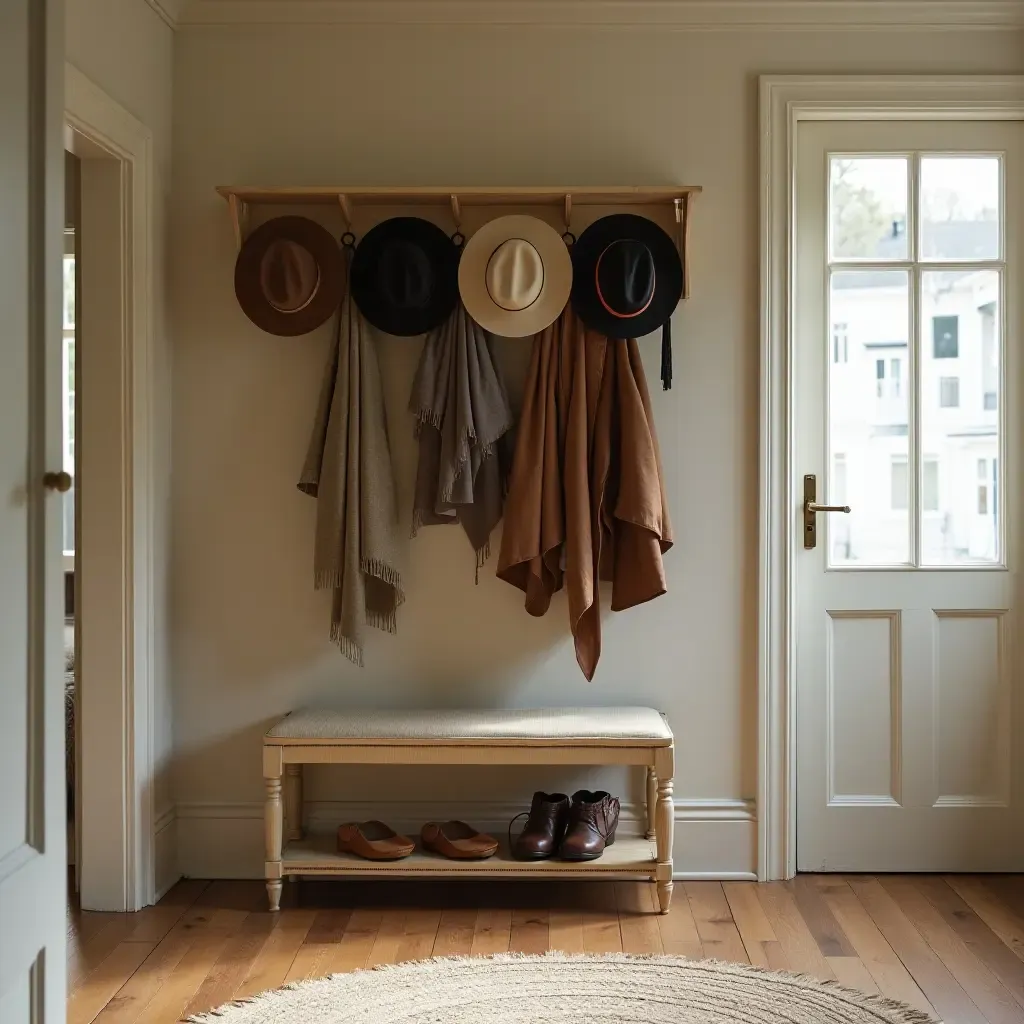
(58, 481)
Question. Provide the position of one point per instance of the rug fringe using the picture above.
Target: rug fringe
(896, 1012)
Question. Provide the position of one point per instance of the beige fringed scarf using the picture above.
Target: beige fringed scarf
(348, 471)
(463, 422)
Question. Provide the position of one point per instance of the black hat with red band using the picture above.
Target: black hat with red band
(627, 281)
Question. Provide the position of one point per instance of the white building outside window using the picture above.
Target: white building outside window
(878, 269)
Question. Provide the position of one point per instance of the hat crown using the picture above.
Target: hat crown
(289, 275)
(626, 277)
(405, 276)
(515, 274)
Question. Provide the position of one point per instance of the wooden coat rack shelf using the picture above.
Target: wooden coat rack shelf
(679, 197)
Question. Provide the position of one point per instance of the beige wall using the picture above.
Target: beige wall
(126, 49)
(476, 105)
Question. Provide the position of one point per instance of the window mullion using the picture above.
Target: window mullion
(914, 359)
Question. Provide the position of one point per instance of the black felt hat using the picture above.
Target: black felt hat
(289, 276)
(627, 279)
(405, 276)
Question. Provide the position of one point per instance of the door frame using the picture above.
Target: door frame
(785, 101)
(128, 874)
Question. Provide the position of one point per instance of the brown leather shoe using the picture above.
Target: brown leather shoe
(457, 840)
(592, 823)
(545, 827)
(373, 840)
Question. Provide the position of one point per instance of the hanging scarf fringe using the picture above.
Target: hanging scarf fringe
(466, 444)
(482, 555)
(388, 574)
(347, 645)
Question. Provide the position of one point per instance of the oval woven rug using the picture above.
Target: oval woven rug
(563, 989)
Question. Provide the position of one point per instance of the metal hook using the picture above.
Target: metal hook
(568, 212)
(456, 213)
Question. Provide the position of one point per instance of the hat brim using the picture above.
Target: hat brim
(443, 255)
(554, 292)
(330, 285)
(668, 275)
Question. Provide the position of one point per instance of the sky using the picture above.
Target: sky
(974, 180)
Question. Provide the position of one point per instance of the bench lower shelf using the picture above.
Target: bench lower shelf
(628, 857)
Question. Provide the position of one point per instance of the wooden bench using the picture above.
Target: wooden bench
(554, 736)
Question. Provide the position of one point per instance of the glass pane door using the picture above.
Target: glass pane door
(914, 350)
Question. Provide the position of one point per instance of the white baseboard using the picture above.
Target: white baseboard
(714, 839)
(165, 845)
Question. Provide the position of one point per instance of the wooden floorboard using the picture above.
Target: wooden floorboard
(887, 970)
(794, 931)
(529, 931)
(225, 978)
(1000, 918)
(455, 932)
(950, 945)
(948, 997)
(601, 932)
(492, 932)
(754, 927)
(985, 990)
(638, 923)
(719, 936)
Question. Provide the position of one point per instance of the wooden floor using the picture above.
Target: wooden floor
(953, 946)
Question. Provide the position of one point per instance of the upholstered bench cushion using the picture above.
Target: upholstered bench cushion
(612, 726)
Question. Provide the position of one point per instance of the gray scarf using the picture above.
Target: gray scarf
(463, 424)
(348, 470)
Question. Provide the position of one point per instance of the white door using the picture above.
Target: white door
(33, 883)
(907, 403)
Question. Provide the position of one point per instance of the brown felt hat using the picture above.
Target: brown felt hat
(289, 276)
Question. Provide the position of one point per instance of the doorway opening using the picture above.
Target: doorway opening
(68, 378)
(890, 719)
(107, 387)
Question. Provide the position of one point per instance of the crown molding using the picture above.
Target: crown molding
(761, 15)
(169, 10)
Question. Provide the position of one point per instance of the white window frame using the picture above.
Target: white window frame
(785, 101)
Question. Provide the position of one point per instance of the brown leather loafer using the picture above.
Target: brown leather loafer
(457, 840)
(373, 840)
(545, 827)
(593, 820)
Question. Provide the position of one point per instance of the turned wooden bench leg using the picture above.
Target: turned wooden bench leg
(652, 803)
(273, 824)
(665, 814)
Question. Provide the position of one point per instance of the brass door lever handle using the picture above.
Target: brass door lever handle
(811, 506)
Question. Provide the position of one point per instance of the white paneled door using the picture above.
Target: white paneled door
(907, 400)
(32, 829)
